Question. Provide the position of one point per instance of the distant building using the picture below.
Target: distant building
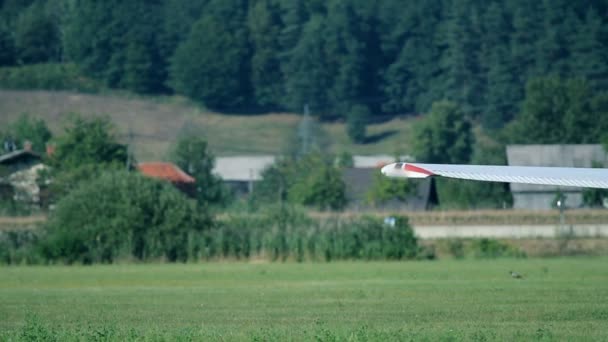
(171, 173)
(541, 197)
(19, 175)
(241, 172)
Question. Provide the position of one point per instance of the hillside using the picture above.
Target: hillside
(156, 122)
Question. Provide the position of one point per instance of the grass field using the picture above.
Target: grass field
(157, 122)
(559, 299)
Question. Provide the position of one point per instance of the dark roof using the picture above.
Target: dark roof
(166, 171)
(18, 155)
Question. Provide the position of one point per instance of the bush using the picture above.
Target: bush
(122, 215)
(286, 233)
(47, 77)
(492, 248)
(19, 246)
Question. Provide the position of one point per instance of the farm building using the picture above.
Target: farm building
(19, 174)
(541, 197)
(171, 173)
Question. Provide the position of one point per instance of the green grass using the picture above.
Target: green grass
(559, 299)
(157, 122)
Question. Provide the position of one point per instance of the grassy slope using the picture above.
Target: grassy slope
(559, 299)
(157, 122)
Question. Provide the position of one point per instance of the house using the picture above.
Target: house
(541, 197)
(171, 173)
(19, 171)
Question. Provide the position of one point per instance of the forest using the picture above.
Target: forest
(353, 60)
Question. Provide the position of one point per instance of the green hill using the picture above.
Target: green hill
(156, 122)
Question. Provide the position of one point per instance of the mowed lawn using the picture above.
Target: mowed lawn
(559, 299)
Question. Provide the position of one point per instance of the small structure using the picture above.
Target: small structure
(541, 197)
(19, 171)
(169, 172)
(241, 172)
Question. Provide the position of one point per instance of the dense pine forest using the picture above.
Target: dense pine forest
(347, 59)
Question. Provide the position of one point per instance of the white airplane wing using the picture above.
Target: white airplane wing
(564, 176)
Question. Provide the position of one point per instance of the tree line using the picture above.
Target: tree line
(347, 59)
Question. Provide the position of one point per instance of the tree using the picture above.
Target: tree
(307, 77)
(317, 183)
(444, 135)
(7, 47)
(37, 37)
(121, 215)
(384, 189)
(86, 149)
(589, 51)
(460, 61)
(356, 122)
(310, 180)
(29, 129)
(557, 111)
(264, 23)
(211, 65)
(192, 155)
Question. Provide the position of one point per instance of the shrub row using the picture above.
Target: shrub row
(47, 77)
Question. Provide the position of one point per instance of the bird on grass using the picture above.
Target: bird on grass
(516, 275)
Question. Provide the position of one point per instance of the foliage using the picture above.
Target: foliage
(491, 248)
(121, 215)
(191, 154)
(453, 194)
(37, 36)
(444, 135)
(385, 189)
(211, 64)
(391, 57)
(26, 128)
(284, 233)
(356, 123)
(557, 111)
(311, 180)
(83, 152)
(50, 76)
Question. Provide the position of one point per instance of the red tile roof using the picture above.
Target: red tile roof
(167, 171)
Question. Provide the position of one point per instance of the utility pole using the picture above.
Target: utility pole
(129, 147)
(304, 132)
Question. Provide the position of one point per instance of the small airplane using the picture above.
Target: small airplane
(562, 176)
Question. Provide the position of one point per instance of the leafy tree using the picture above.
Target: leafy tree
(192, 155)
(121, 215)
(7, 47)
(459, 60)
(589, 50)
(29, 129)
(384, 189)
(211, 64)
(265, 25)
(37, 37)
(356, 123)
(558, 111)
(307, 77)
(86, 149)
(444, 136)
(317, 184)
(310, 180)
